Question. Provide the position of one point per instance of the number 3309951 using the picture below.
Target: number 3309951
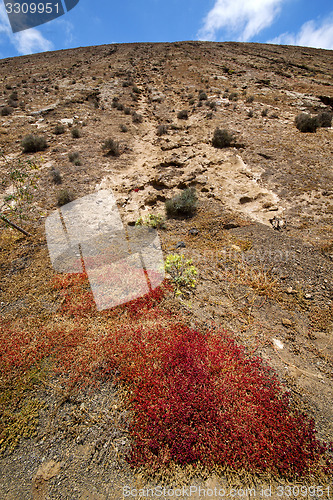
(32, 8)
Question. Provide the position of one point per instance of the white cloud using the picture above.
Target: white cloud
(27, 41)
(311, 34)
(242, 19)
(31, 41)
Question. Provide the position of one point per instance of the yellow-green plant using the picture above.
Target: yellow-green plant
(151, 220)
(23, 178)
(182, 273)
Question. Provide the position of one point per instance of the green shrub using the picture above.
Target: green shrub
(64, 196)
(250, 99)
(137, 118)
(56, 176)
(111, 147)
(324, 119)
(59, 129)
(13, 96)
(306, 123)
(6, 111)
(13, 104)
(76, 133)
(74, 156)
(222, 138)
(123, 128)
(33, 143)
(233, 96)
(264, 112)
(183, 115)
(127, 111)
(184, 203)
(203, 96)
(162, 130)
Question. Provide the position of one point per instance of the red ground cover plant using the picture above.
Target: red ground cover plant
(208, 402)
(195, 397)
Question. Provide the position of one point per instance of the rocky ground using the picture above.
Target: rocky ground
(271, 288)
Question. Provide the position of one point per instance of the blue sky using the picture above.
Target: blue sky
(292, 22)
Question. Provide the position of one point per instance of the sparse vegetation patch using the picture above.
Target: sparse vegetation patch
(306, 123)
(112, 147)
(222, 138)
(33, 143)
(184, 203)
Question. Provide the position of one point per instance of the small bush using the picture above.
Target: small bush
(203, 96)
(191, 101)
(112, 147)
(6, 111)
(264, 112)
(184, 203)
(127, 111)
(306, 123)
(136, 89)
(33, 143)
(222, 138)
(233, 96)
(56, 176)
(64, 197)
(59, 129)
(324, 119)
(14, 96)
(162, 130)
(137, 118)
(73, 156)
(123, 128)
(120, 106)
(76, 133)
(250, 113)
(13, 104)
(250, 99)
(183, 115)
